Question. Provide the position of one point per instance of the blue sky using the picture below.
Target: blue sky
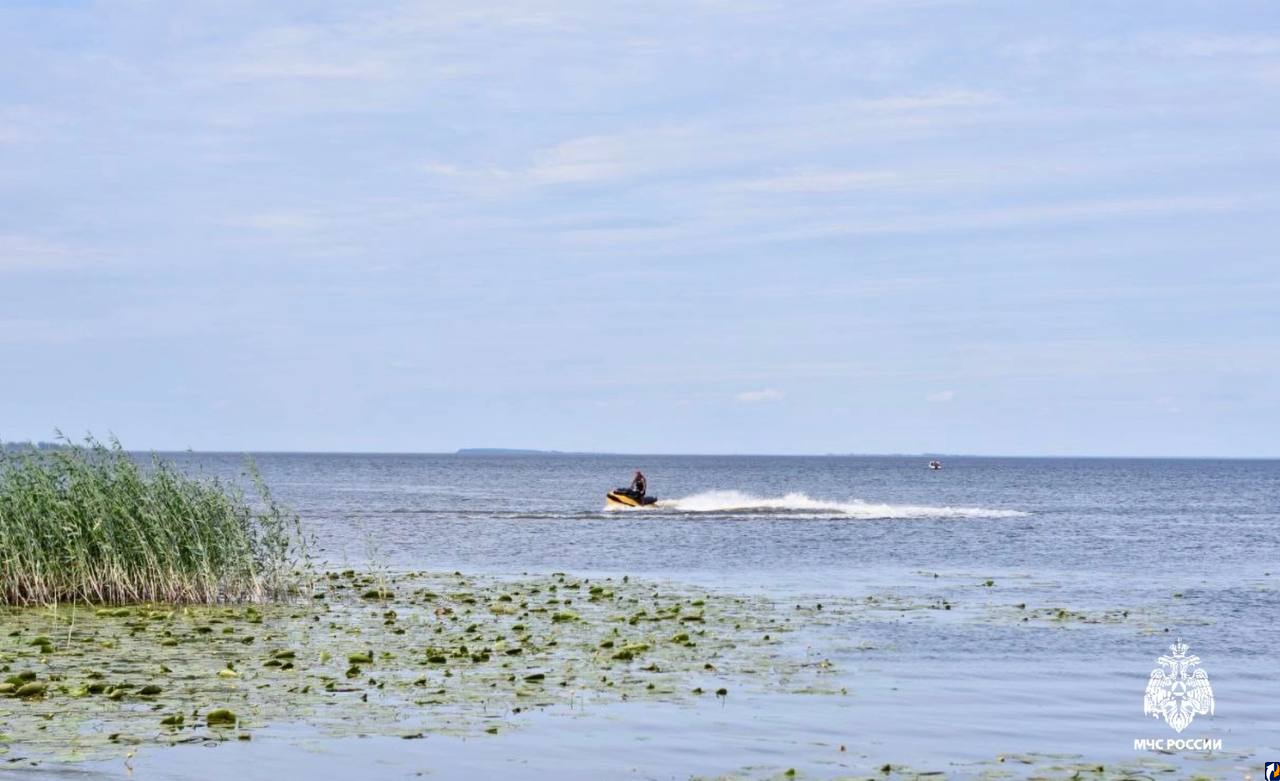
(863, 226)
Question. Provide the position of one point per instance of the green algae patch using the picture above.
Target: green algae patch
(428, 656)
(220, 717)
(29, 690)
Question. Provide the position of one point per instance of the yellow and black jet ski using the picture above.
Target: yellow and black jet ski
(625, 497)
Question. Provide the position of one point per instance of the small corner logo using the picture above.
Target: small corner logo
(1272, 771)
(1178, 691)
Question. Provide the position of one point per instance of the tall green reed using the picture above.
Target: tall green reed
(87, 523)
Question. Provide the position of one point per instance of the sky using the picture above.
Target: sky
(868, 226)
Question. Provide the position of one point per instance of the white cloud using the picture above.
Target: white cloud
(583, 160)
(1001, 218)
(919, 178)
(1168, 404)
(20, 123)
(701, 148)
(1161, 44)
(941, 397)
(41, 331)
(944, 99)
(18, 251)
(758, 396)
(823, 182)
(1166, 45)
(302, 52)
(442, 169)
(588, 159)
(293, 67)
(278, 221)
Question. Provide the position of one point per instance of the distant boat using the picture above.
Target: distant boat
(935, 464)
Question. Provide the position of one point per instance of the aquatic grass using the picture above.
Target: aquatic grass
(88, 523)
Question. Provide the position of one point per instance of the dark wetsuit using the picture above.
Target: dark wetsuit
(638, 485)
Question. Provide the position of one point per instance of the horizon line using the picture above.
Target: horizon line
(584, 453)
(531, 452)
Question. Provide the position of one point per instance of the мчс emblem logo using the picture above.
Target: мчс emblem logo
(1178, 690)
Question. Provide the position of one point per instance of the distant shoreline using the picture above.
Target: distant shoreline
(519, 451)
(508, 452)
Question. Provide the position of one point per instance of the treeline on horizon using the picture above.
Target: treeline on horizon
(41, 445)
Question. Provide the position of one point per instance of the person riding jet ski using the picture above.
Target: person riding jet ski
(633, 496)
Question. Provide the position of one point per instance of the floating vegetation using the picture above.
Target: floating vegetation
(1003, 767)
(430, 658)
(88, 524)
(220, 717)
(895, 606)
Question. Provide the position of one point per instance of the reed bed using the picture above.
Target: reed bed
(89, 523)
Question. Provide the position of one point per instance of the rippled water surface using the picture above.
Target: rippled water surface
(993, 607)
(734, 518)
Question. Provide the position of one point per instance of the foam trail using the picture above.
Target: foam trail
(802, 504)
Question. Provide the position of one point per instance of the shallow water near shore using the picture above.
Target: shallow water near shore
(998, 618)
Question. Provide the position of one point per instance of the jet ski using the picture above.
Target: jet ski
(625, 497)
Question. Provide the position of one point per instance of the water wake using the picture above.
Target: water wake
(802, 504)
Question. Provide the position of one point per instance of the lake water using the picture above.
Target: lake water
(1134, 553)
